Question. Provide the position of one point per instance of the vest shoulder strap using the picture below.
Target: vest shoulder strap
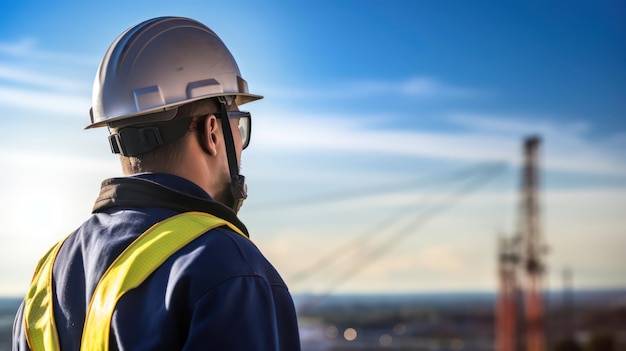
(131, 268)
(39, 325)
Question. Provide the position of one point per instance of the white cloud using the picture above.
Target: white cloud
(59, 103)
(40, 161)
(516, 124)
(27, 49)
(19, 48)
(426, 87)
(30, 77)
(565, 146)
(24, 85)
(415, 87)
(488, 139)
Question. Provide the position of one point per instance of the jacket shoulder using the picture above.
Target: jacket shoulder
(218, 255)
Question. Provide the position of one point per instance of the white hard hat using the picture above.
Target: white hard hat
(158, 65)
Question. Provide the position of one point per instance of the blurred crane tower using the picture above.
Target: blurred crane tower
(523, 255)
(507, 304)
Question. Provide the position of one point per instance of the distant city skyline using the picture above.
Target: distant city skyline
(358, 96)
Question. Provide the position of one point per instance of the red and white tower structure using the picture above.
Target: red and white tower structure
(522, 267)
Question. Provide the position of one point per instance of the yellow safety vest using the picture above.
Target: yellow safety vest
(132, 267)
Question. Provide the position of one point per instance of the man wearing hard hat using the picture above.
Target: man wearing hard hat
(163, 263)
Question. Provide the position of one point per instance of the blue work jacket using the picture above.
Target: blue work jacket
(216, 293)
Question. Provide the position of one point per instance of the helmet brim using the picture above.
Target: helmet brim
(167, 112)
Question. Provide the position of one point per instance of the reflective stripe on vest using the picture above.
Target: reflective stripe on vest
(39, 326)
(131, 268)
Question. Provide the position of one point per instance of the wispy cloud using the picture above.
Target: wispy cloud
(60, 103)
(19, 48)
(425, 87)
(566, 144)
(508, 124)
(28, 49)
(29, 83)
(486, 138)
(37, 162)
(31, 77)
(415, 87)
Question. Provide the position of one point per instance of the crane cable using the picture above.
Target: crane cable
(369, 257)
(358, 242)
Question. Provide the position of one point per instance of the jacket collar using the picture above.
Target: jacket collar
(136, 192)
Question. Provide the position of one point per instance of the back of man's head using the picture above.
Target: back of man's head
(166, 157)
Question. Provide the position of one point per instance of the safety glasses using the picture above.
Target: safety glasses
(245, 125)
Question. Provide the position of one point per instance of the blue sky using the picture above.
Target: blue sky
(358, 95)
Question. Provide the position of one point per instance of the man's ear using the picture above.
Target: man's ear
(211, 127)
